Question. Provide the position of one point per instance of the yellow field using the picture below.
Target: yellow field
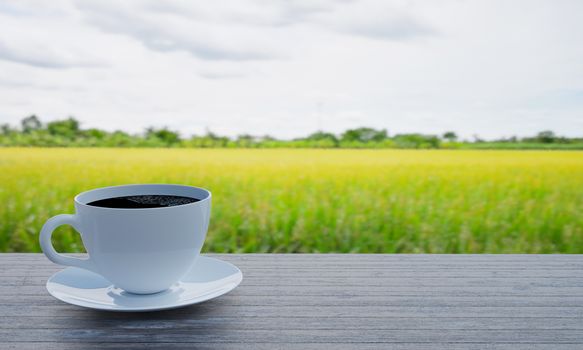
(321, 200)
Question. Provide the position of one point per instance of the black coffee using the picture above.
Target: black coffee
(143, 201)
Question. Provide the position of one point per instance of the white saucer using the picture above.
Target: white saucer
(208, 279)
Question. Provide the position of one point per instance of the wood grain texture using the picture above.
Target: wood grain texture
(296, 301)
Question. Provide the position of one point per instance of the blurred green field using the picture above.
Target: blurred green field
(373, 201)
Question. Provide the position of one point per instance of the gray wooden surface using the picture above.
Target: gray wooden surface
(324, 302)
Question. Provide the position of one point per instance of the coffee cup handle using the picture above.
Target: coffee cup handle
(47, 246)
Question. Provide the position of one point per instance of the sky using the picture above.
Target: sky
(288, 68)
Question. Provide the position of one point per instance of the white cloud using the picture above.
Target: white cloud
(378, 20)
(289, 67)
(31, 36)
(44, 56)
(164, 31)
(398, 28)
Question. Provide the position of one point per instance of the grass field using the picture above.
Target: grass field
(391, 201)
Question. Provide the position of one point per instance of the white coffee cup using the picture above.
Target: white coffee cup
(142, 251)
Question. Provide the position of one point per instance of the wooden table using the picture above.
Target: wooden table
(324, 302)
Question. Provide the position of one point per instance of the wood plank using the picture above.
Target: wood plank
(357, 281)
(40, 292)
(228, 335)
(357, 300)
(327, 265)
(516, 289)
(217, 308)
(338, 301)
(469, 262)
(363, 273)
(291, 346)
(171, 321)
(287, 259)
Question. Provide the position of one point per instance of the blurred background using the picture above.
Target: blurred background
(319, 126)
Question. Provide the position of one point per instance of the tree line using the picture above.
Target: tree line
(32, 132)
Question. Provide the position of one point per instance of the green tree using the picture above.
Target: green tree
(30, 124)
(245, 140)
(364, 135)
(68, 128)
(6, 129)
(417, 141)
(214, 140)
(546, 136)
(322, 137)
(95, 133)
(450, 136)
(119, 138)
(164, 135)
